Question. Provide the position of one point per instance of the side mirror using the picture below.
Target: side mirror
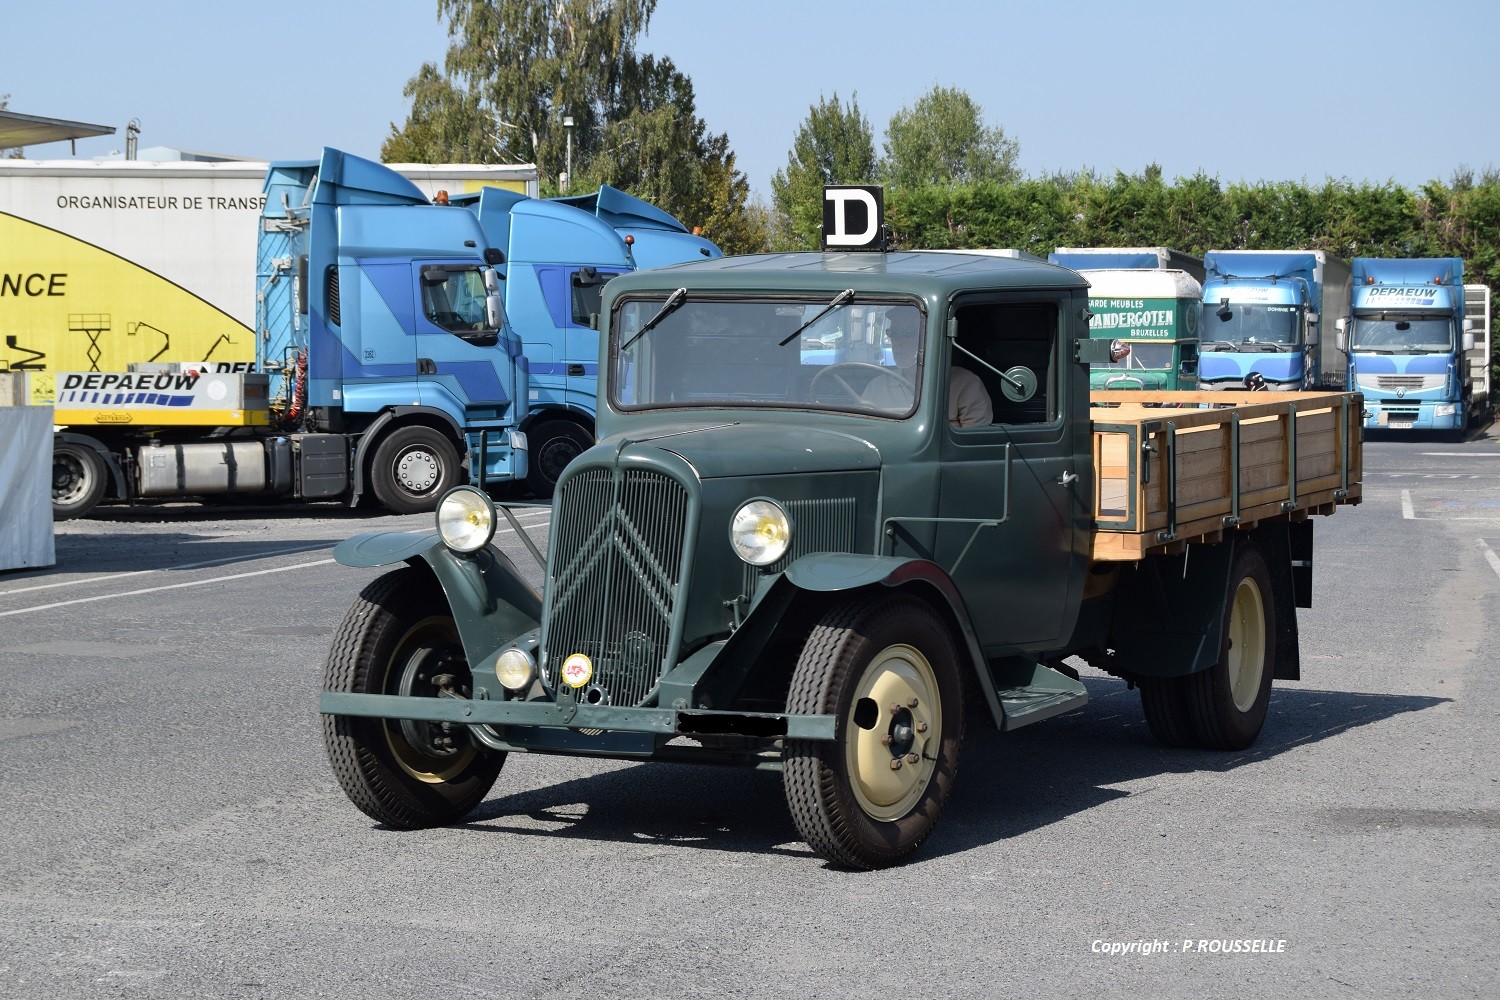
(494, 256)
(1341, 324)
(1468, 340)
(1312, 319)
(494, 311)
(1341, 339)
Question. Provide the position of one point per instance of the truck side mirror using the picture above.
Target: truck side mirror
(494, 311)
(1341, 340)
(1468, 340)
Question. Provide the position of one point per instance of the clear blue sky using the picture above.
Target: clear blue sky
(1271, 90)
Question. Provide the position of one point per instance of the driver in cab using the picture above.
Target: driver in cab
(968, 401)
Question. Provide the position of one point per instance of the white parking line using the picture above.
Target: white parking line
(1406, 511)
(170, 586)
(1490, 557)
(1461, 454)
(166, 569)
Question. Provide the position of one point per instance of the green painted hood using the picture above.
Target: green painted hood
(763, 449)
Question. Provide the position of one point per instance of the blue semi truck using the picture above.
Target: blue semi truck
(388, 358)
(559, 252)
(1265, 313)
(1407, 338)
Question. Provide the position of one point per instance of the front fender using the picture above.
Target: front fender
(836, 573)
(491, 603)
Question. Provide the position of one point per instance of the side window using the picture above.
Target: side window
(586, 289)
(1008, 348)
(454, 299)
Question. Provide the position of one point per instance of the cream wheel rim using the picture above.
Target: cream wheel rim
(1247, 645)
(893, 733)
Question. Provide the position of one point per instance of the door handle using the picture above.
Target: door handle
(1067, 479)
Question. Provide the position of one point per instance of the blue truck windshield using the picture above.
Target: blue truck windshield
(856, 357)
(1246, 326)
(1397, 335)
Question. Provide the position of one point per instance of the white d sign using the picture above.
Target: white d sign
(852, 217)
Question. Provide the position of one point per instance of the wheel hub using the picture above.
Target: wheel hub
(418, 470)
(893, 733)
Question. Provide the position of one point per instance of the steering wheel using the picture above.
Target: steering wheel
(831, 372)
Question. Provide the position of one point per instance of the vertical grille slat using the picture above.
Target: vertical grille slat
(618, 550)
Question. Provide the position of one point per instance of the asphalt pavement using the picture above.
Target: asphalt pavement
(169, 825)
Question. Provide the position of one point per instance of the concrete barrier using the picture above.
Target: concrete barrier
(26, 539)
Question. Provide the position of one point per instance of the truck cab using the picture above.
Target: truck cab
(1264, 314)
(381, 314)
(1407, 338)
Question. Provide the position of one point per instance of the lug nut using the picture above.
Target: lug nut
(911, 758)
(921, 727)
(895, 709)
(896, 764)
(912, 703)
(885, 740)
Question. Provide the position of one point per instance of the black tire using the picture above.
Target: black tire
(78, 479)
(1164, 701)
(551, 445)
(412, 469)
(1227, 702)
(396, 638)
(865, 662)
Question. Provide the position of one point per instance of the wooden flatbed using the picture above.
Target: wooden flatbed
(1170, 473)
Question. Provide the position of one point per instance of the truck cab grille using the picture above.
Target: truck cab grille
(616, 563)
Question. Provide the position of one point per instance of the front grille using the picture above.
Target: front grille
(1390, 383)
(617, 550)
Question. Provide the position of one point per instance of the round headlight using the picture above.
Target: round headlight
(466, 519)
(514, 669)
(760, 532)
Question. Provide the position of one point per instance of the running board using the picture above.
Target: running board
(1035, 692)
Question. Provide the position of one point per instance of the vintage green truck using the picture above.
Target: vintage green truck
(791, 548)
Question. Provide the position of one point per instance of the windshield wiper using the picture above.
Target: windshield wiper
(1218, 345)
(674, 300)
(838, 300)
(1275, 348)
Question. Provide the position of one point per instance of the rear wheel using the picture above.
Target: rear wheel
(399, 638)
(412, 469)
(1227, 703)
(1164, 701)
(78, 474)
(887, 670)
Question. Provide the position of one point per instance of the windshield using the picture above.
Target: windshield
(1154, 357)
(863, 356)
(1248, 327)
(1393, 334)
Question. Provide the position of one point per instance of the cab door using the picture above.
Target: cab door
(1013, 530)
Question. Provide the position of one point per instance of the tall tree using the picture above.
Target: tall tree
(942, 139)
(833, 145)
(517, 68)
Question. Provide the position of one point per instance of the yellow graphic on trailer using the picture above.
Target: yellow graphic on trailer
(67, 305)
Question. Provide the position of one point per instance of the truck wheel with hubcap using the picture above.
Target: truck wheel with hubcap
(399, 638)
(412, 469)
(887, 670)
(551, 445)
(77, 480)
(1227, 702)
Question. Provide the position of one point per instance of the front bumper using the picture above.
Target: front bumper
(1414, 416)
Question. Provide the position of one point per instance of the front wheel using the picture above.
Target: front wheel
(412, 469)
(887, 670)
(399, 638)
(551, 445)
(78, 475)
